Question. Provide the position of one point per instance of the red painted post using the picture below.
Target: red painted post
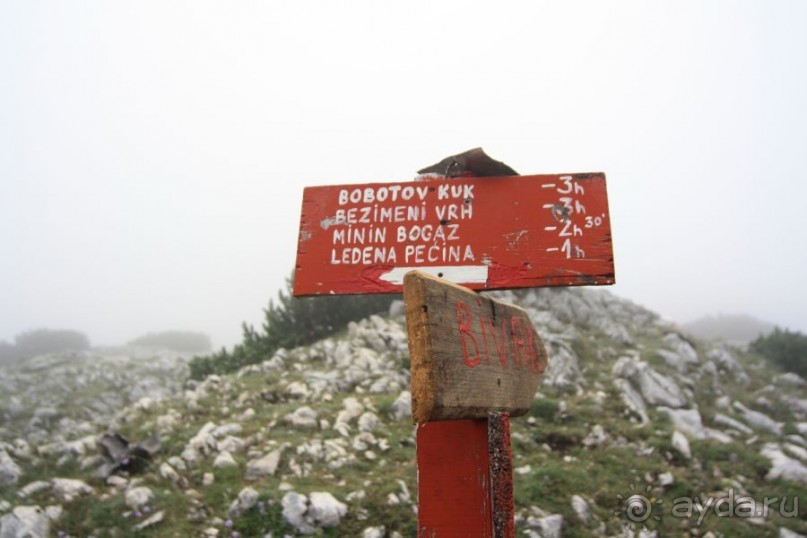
(465, 478)
(454, 479)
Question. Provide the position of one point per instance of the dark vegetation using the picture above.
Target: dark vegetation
(185, 341)
(288, 323)
(786, 348)
(42, 341)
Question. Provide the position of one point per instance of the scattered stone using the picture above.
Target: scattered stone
(759, 420)
(656, 388)
(265, 466)
(232, 428)
(726, 362)
(686, 421)
(247, 498)
(208, 479)
(302, 417)
(681, 444)
(224, 460)
(306, 514)
(168, 473)
(596, 437)
(25, 522)
(374, 532)
(151, 521)
(581, 509)
(548, 526)
(117, 482)
(782, 466)
(632, 400)
(138, 497)
(33, 487)
(67, 489)
(295, 507)
(325, 510)
(787, 533)
(729, 422)
(790, 379)
(666, 479)
(368, 422)
(401, 408)
(680, 354)
(10, 472)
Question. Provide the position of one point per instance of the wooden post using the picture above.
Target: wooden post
(472, 366)
(475, 361)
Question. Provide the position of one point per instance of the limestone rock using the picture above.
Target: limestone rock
(686, 421)
(224, 460)
(782, 466)
(138, 497)
(33, 487)
(306, 514)
(656, 388)
(581, 509)
(401, 408)
(729, 422)
(368, 422)
(25, 522)
(10, 472)
(726, 363)
(247, 498)
(67, 489)
(632, 399)
(759, 420)
(150, 522)
(169, 473)
(264, 466)
(680, 353)
(374, 532)
(681, 444)
(302, 417)
(548, 527)
(564, 366)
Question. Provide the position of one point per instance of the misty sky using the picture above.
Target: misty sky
(153, 153)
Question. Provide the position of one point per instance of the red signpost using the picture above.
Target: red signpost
(475, 361)
(483, 233)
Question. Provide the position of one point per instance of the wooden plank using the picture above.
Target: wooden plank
(469, 354)
(484, 233)
(454, 479)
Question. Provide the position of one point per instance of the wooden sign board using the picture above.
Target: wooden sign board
(483, 233)
(470, 355)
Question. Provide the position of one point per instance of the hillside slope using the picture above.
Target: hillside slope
(633, 424)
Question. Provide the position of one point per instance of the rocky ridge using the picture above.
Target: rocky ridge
(318, 440)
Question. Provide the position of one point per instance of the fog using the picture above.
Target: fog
(153, 154)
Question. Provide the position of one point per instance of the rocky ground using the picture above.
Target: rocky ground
(636, 431)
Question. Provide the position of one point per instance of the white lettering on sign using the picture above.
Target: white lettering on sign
(391, 224)
(369, 195)
(570, 217)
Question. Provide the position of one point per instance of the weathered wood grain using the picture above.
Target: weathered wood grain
(483, 233)
(469, 354)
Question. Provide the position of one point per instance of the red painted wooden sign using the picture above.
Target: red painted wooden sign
(483, 233)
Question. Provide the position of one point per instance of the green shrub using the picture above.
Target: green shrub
(786, 348)
(288, 323)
